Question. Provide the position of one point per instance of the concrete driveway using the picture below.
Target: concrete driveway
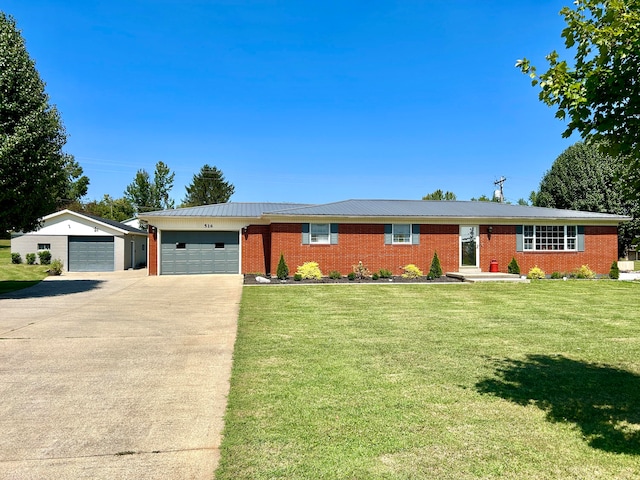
(116, 376)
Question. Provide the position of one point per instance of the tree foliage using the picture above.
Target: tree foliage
(584, 178)
(118, 209)
(35, 174)
(208, 187)
(440, 195)
(147, 195)
(599, 91)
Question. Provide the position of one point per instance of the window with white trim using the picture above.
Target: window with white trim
(550, 237)
(401, 233)
(319, 233)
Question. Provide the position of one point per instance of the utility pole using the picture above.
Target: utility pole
(500, 193)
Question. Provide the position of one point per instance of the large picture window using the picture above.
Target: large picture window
(550, 237)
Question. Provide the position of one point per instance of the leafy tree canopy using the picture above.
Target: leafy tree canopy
(599, 92)
(35, 175)
(440, 195)
(208, 187)
(118, 209)
(147, 195)
(584, 178)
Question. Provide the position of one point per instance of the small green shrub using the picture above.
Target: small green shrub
(360, 271)
(31, 258)
(536, 273)
(584, 272)
(513, 267)
(297, 277)
(375, 276)
(351, 276)
(16, 258)
(436, 270)
(556, 275)
(614, 273)
(384, 273)
(282, 271)
(335, 275)
(45, 257)
(310, 270)
(56, 267)
(411, 271)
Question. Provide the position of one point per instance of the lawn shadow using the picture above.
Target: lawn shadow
(603, 401)
(51, 288)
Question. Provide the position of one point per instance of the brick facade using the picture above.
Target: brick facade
(365, 242)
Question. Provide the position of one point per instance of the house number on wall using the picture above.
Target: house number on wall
(208, 225)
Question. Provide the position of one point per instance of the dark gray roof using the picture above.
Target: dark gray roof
(387, 208)
(112, 223)
(230, 209)
(440, 209)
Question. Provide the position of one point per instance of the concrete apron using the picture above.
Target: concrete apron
(116, 375)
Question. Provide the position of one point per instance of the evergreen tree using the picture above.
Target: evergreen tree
(283, 270)
(436, 270)
(208, 187)
(34, 175)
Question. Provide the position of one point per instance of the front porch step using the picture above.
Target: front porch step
(474, 277)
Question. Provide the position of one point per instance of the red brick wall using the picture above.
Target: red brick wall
(256, 249)
(262, 246)
(152, 248)
(600, 250)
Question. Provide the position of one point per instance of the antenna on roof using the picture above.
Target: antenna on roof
(499, 194)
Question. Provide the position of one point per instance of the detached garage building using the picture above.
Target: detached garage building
(85, 243)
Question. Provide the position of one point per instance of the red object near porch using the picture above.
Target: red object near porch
(493, 266)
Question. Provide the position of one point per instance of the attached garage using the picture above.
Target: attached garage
(184, 252)
(91, 254)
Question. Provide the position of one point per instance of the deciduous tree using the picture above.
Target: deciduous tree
(440, 195)
(147, 195)
(35, 173)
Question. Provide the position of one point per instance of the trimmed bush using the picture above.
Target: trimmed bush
(310, 270)
(45, 257)
(16, 258)
(56, 267)
(351, 276)
(513, 267)
(282, 271)
(297, 277)
(584, 272)
(436, 270)
(31, 258)
(614, 273)
(375, 276)
(335, 275)
(411, 271)
(536, 273)
(384, 273)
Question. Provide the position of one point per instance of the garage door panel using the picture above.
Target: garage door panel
(184, 253)
(91, 254)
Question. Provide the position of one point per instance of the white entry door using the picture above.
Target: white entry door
(469, 246)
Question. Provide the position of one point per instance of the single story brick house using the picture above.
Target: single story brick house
(85, 243)
(468, 236)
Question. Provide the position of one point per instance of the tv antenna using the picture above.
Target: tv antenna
(499, 193)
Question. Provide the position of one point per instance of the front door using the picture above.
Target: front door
(469, 246)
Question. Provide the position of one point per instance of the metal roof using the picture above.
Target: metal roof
(113, 223)
(440, 209)
(231, 209)
(386, 209)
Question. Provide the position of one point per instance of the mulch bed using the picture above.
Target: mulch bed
(251, 280)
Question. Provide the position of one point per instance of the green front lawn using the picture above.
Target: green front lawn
(490, 381)
(14, 277)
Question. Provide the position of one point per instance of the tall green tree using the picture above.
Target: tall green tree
(118, 209)
(208, 187)
(147, 195)
(584, 178)
(598, 91)
(76, 185)
(33, 167)
(440, 195)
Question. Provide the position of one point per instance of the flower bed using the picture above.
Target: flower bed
(250, 279)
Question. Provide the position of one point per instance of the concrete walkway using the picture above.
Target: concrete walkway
(116, 376)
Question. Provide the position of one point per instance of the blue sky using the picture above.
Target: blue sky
(302, 101)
